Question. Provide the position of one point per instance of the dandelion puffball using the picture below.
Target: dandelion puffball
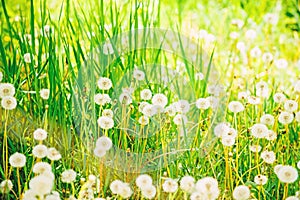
(17, 160)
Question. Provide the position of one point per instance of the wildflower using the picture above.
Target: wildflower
(255, 148)
(40, 151)
(241, 192)
(268, 157)
(41, 185)
(182, 106)
(251, 34)
(259, 130)
(260, 179)
(285, 117)
(148, 110)
(243, 95)
(53, 154)
(267, 57)
(104, 143)
(45, 93)
(187, 184)
(9, 103)
(116, 186)
(196, 196)
(108, 113)
(41, 167)
(149, 192)
(143, 181)
(228, 141)
(126, 191)
(221, 129)
(253, 100)
(99, 152)
(27, 58)
(290, 106)
(160, 100)
(40, 134)
(202, 103)
(236, 106)
(138, 75)
(279, 98)
(104, 83)
(255, 52)
(287, 174)
(267, 119)
(17, 160)
(102, 99)
(68, 176)
(180, 119)
(271, 135)
(281, 63)
(262, 89)
(146, 94)
(170, 186)
(105, 122)
(6, 186)
(125, 98)
(271, 18)
(7, 90)
(208, 187)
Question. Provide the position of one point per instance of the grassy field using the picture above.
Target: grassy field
(154, 99)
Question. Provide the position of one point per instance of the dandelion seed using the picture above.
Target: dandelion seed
(287, 174)
(116, 186)
(271, 135)
(262, 89)
(279, 97)
(149, 192)
(105, 122)
(6, 186)
(267, 57)
(182, 106)
(228, 141)
(45, 93)
(17, 160)
(253, 100)
(138, 75)
(143, 181)
(202, 103)
(260, 179)
(160, 100)
(68, 176)
(241, 192)
(146, 94)
(281, 63)
(255, 148)
(102, 99)
(41, 185)
(187, 184)
(236, 106)
(208, 187)
(53, 154)
(290, 105)
(148, 110)
(170, 186)
(125, 98)
(126, 191)
(7, 90)
(9, 103)
(104, 143)
(40, 134)
(221, 129)
(268, 156)
(99, 152)
(259, 130)
(41, 167)
(255, 52)
(180, 119)
(104, 83)
(285, 118)
(267, 119)
(40, 151)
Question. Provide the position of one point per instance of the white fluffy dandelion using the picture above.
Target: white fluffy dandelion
(170, 186)
(241, 192)
(104, 143)
(146, 94)
(259, 130)
(143, 181)
(105, 122)
(17, 160)
(40, 151)
(7, 90)
(45, 93)
(287, 174)
(187, 184)
(68, 176)
(104, 83)
(285, 118)
(260, 179)
(268, 156)
(9, 103)
(40, 134)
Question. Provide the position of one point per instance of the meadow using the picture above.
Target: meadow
(154, 99)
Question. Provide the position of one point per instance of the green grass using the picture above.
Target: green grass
(61, 62)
